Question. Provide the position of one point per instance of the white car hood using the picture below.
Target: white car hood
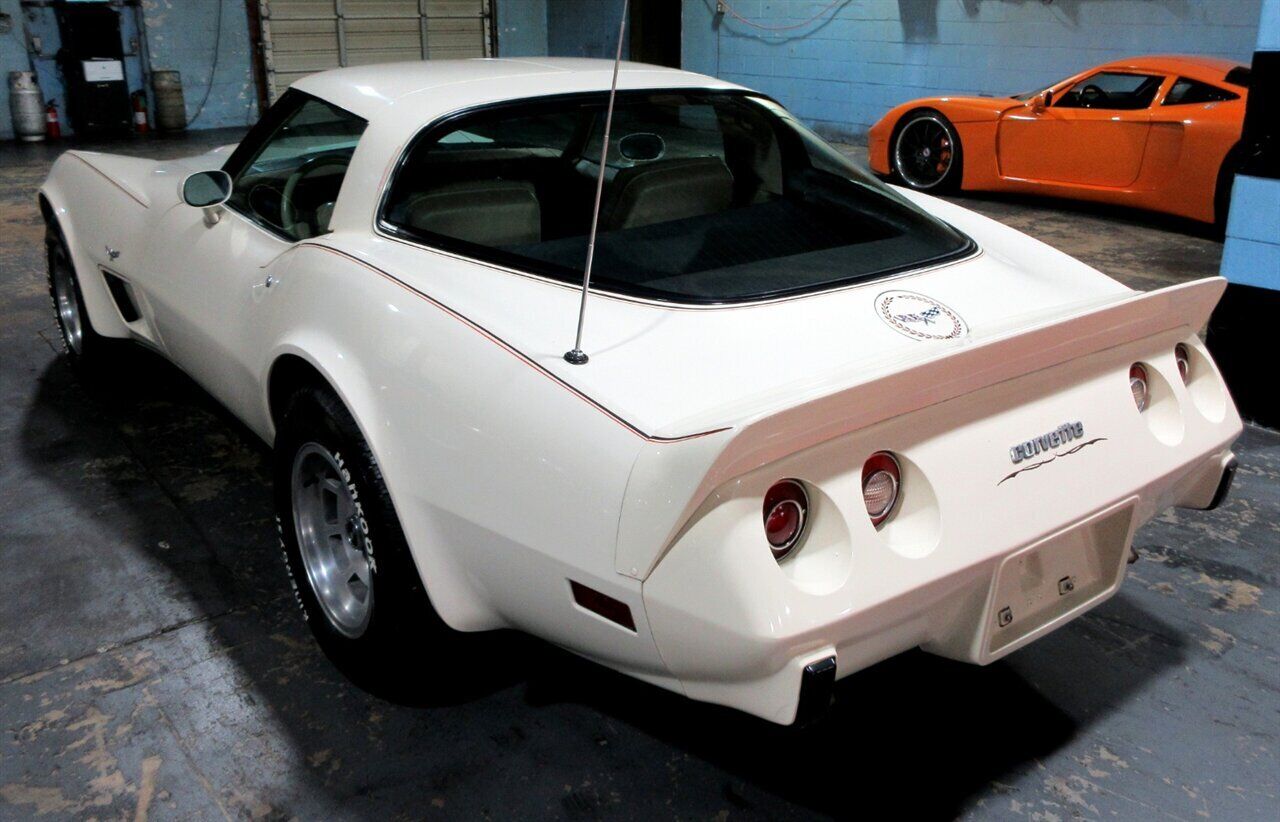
(672, 372)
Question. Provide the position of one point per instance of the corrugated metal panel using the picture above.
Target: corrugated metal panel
(305, 36)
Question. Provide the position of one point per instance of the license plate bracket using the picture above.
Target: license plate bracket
(1039, 587)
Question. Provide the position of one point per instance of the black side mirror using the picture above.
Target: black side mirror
(206, 189)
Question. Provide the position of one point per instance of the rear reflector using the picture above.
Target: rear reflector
(602, 605)
(1139, 385)
(1183, 357)
(786, 507)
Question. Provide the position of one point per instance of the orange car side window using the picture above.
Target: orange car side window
(1112, 90)
(1188, 92)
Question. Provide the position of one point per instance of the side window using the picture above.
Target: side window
(496, 179)
(1112, 90)
(1186, 92)
(289, 183)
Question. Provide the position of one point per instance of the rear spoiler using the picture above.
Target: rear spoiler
(670, 481)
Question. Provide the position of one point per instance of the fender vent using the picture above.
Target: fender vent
(603, 605)
(124, 300)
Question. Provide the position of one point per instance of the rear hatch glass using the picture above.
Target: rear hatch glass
(710, 197)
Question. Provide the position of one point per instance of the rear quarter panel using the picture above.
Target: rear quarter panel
(507, 484)
(1185, 153)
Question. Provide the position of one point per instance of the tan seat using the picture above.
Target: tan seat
(667, 190)
(485, 212)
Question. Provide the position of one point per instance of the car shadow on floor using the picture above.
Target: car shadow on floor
(192, 493)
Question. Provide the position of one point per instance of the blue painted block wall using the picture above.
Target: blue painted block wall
(13, 57)
(181, 35)
(583, 28)
(847, 67)
(522, 28)
(1269, 27)
(175, 34)
(1251, 255)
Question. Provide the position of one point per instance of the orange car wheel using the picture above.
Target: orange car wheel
(925, 152)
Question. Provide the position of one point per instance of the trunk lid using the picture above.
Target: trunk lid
(677, 372)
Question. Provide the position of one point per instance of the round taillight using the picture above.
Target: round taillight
(1139, 385)
(786, 508)
(1183, 356)
(881, 480)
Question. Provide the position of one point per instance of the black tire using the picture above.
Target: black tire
(82, 346)
(401, 620)
(1222, 191)
(918, 169)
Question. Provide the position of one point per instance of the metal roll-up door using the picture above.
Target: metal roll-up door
(300, 37)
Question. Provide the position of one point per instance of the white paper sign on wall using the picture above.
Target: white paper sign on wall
(102, 71)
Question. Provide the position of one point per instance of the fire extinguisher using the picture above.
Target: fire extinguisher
(140, 112)
(52, 128)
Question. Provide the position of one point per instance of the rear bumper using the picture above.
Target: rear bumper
(784, 670)
(1224, 485)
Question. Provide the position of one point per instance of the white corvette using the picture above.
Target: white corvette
(822, 421)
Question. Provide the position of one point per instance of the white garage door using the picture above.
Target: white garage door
(305, 36)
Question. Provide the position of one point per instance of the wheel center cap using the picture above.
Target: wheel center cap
(927, 153)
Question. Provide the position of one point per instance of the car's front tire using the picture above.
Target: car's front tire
(80, 343)
(346, 555)
(925, 152)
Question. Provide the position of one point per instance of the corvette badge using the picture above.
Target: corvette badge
(1047, 445)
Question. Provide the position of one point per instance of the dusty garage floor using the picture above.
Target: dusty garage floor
(152, 662)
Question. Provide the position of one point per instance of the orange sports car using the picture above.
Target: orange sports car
(1151, 132)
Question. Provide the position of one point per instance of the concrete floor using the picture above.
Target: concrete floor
(152, 662)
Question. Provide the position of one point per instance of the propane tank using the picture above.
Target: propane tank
(27, 106)
(140, 112)
(52, 128)
(171, 108)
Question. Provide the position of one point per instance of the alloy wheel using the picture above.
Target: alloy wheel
(66, 301)
(924, 152)
(332, 540)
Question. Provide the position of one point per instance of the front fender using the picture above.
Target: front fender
(72, 180)
(968, 114)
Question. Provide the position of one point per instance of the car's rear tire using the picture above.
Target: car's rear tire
(1222, 191)
(925, 152)
(346, 555)
(81, 345)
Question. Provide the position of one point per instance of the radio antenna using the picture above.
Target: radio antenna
(577, 356)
